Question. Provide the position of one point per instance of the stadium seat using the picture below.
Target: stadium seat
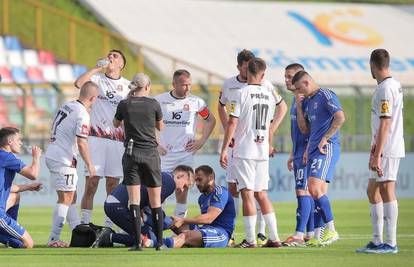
(19, 75)
(3, 59)
(35, 75)
(78, 70)
(46, 57)
(6, 74)
(12, 43)
(14, 58)
(65, 73)
(50, 73)
(30, 58)
(2, 47)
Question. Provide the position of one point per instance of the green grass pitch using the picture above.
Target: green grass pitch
(351, 219)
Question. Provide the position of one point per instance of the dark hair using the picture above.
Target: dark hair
(298, 75)
(122, 55)
(184, 168)
(295, 66)
(256, 65)
(380, 58)
(207, 170)
(178, 73)
(244, 56)
(5, 133)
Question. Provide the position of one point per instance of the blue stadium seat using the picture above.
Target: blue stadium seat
(19, 75)
(12, 43)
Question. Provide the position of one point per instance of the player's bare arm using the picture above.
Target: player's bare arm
(17, 188)
(83, 148)
(222, 111)
(231, 127)
(338, 121)
(31, 172)
(206, 218)
(278, 117)
(381, 139)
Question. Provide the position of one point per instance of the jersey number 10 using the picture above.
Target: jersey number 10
(261, 111)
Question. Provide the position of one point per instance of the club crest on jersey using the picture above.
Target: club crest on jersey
(315, 105)
(186, 107)
(119, 88)
(84, 129)
(385, 106)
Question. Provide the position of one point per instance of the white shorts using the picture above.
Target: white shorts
(251, 174)
(230, 176)
(106, 156)
(65, 177)
(173, 159)
(389, 168)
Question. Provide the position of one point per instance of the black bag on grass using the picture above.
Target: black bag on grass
(89, 235)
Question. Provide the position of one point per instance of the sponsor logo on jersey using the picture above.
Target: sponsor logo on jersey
(119, 88)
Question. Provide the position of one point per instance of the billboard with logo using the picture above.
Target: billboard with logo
(333, 41)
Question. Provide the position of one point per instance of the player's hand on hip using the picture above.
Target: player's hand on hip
(36, 152)
(193, 145)
(322, 145)
(290, 164)
(223, 159)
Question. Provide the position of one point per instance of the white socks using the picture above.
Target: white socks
(72, 217)
(331, 226)
(180, 210)
(377, 220)
(390, 222)
(318, 233)
(59, 217)
(237, 206)
(250, 228)
(271, 222)
(299, 235)
(86, 215)
(261, 224)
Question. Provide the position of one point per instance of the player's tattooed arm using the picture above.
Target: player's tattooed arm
(338, 121)
(300, 117)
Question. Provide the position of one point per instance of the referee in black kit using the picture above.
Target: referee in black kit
(141, 162)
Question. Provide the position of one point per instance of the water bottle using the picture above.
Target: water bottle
(103, 62)
(129, 147)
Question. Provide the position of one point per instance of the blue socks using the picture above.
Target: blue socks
(324, 208)
(303, 213)
(310, 227)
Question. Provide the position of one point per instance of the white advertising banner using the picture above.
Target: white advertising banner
(349, 182)
(332, 40)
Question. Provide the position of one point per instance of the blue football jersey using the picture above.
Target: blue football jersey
(299, 140)
(319, 111)
(220, 198)
(9, 166)
(167, 189)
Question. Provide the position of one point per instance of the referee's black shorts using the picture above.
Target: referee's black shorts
(142, 167)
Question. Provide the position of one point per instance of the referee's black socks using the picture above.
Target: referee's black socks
(158, 219)
(135, 213)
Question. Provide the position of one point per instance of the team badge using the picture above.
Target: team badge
(385, 106)
(232, 107)
(84, 129)
(315, 105)
(119, 88)
(186, 107)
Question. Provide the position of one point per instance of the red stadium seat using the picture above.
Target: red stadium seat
(46, 57)
(35, 75)
(6, 74)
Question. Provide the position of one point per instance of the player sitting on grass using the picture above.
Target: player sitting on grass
(116, 207)
(216, 218)
(12, 233)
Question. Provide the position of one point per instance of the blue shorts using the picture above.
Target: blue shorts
(9, 226)
(322, 166)
(300, 173)
(213, 236)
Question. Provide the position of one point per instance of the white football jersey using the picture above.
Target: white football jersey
(72, 120)
(111, 92)
(387, 101)
(255, 109)
(230, 91)
(179, 116)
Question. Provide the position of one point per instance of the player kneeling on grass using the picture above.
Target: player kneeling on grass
(116, 208)
(11, 233)
(69, 134)
(216, 218)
